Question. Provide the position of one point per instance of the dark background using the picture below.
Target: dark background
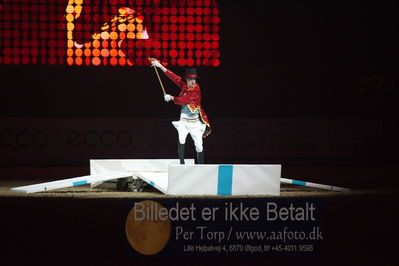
(278, 59)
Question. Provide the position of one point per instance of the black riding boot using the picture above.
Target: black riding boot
(200, 157)
(180, 151)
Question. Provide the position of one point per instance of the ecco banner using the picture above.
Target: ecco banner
(35, 141)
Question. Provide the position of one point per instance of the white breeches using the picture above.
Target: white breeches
(195, 129)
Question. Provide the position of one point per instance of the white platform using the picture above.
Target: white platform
(71, 182)
(100, 166)
(170, 177)
(153, 171)
(224, 180)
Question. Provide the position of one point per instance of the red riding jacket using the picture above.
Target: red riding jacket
(189, 96)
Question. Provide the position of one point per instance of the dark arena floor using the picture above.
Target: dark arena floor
(80, 224)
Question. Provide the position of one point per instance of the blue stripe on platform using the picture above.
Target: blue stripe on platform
(152, 183)
(225, 179)
(78, 183)
(298, 182)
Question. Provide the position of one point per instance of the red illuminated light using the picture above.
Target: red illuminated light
(86, 33)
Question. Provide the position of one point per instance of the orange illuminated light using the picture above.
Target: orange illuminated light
(114, 52)
(192, 36)
(96, 61)
(96, 52)
(96, 43)
(78, 61)
(70, 52)
(87, 52)
(122, 27)
(113, 61)
(122, 61)
(70, 9)
(131, 27)
(104, 52)
(113, 35)
(70, 61)
(114, 44)
(104, 43)
(121, 54)
(104, 35)
(131, 35)
(70, 17)
(78, 52)
(116, 30)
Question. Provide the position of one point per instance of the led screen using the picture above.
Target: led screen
(109, 33)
